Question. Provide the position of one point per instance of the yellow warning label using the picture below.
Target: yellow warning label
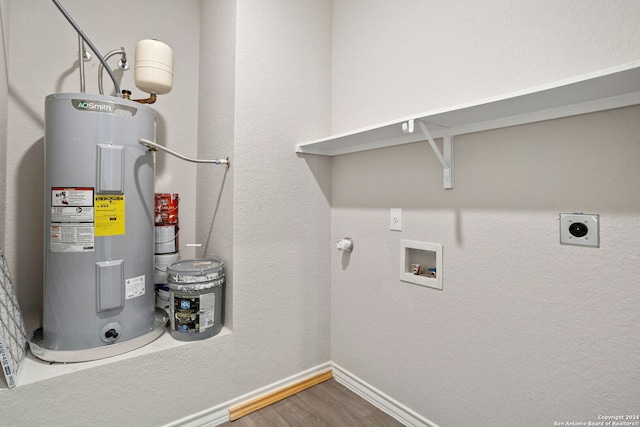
(109, 215)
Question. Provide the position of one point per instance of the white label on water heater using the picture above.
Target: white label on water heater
(72, 214)
(76, 196)
(134, 287)
(71, 238)
(72, 225)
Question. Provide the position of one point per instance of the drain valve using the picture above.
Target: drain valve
(110, 332)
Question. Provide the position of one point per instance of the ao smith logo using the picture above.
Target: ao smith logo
(124, 111)
(92, 106)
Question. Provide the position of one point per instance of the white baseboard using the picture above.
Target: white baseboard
(380, 400)
(220, 413)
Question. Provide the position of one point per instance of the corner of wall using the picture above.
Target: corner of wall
(4, 106)
(216, 106)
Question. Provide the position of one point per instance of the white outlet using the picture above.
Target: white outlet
(396, 219)
(580, 229)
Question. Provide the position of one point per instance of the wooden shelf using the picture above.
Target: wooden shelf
(611, 88)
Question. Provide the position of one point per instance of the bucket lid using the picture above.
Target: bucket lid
(195, 270)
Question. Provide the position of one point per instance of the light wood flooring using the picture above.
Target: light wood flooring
(328, 404)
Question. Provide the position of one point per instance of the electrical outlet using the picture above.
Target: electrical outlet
(396, 219)
(580, 229)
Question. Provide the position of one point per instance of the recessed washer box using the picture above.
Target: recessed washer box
(580, 229)
(428, 256)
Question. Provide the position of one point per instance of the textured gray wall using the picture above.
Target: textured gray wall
(525, 331)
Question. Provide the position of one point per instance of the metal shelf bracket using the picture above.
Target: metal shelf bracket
(445, 158)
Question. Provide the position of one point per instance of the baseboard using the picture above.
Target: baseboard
(380, 400)
(220, 413)
(281, 389)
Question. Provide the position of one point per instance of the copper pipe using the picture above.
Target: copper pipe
(150, 100)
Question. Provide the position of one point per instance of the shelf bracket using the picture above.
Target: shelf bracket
(445, 158)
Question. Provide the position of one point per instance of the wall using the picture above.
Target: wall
(4, 106)
(281, 226)
(216, 120)
(255, 94)
(525, 330)
(418, 56)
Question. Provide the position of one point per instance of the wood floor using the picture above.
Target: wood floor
(328, 404)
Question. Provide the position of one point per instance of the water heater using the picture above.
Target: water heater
(99, 295)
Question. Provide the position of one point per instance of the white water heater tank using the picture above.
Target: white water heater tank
(99, 297)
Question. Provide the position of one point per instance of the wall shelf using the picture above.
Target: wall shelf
(603, 90)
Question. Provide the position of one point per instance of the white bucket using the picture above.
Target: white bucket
(166, 239)
(161, 263)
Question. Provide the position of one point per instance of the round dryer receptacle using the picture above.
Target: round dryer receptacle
(110, 332)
